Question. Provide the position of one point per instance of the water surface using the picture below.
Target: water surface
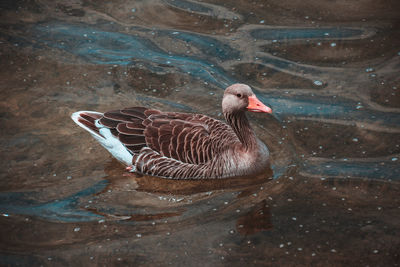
(328, 70)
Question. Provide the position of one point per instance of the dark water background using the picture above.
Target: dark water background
(329, 69)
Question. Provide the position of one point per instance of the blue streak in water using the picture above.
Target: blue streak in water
(101, 47)
(371, 170)
(305, 33)
(65, 210)
(209, 46)
(288, 65)
(328, 108)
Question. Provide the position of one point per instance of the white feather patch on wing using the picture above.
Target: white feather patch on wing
(113, 145)
(106, 139)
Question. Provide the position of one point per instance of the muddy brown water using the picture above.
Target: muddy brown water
(329, 70)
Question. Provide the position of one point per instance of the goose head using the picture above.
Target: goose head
(239, 98)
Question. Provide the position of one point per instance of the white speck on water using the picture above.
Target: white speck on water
(77, 229)
(318, 83)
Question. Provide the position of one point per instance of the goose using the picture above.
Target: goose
(183, 145)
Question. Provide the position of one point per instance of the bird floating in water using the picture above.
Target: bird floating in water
(183, 145)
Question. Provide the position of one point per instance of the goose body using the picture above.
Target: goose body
(183, 145)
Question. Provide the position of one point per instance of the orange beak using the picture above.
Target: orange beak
(255, 105)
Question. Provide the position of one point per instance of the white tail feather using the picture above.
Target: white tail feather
(106, 139)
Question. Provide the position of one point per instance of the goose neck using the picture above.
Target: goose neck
(241, 126)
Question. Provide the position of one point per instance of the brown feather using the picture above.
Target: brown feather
(122, 128)
(131, 139)
(136, 112)
(135, 148)
(116, 115)
(85, 120)
(109, 123)
(135, 124)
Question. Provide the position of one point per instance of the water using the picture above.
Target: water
(330, 198)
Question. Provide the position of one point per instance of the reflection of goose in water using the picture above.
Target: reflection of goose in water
(182, 145)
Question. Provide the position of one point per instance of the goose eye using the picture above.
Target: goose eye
(239, 95)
